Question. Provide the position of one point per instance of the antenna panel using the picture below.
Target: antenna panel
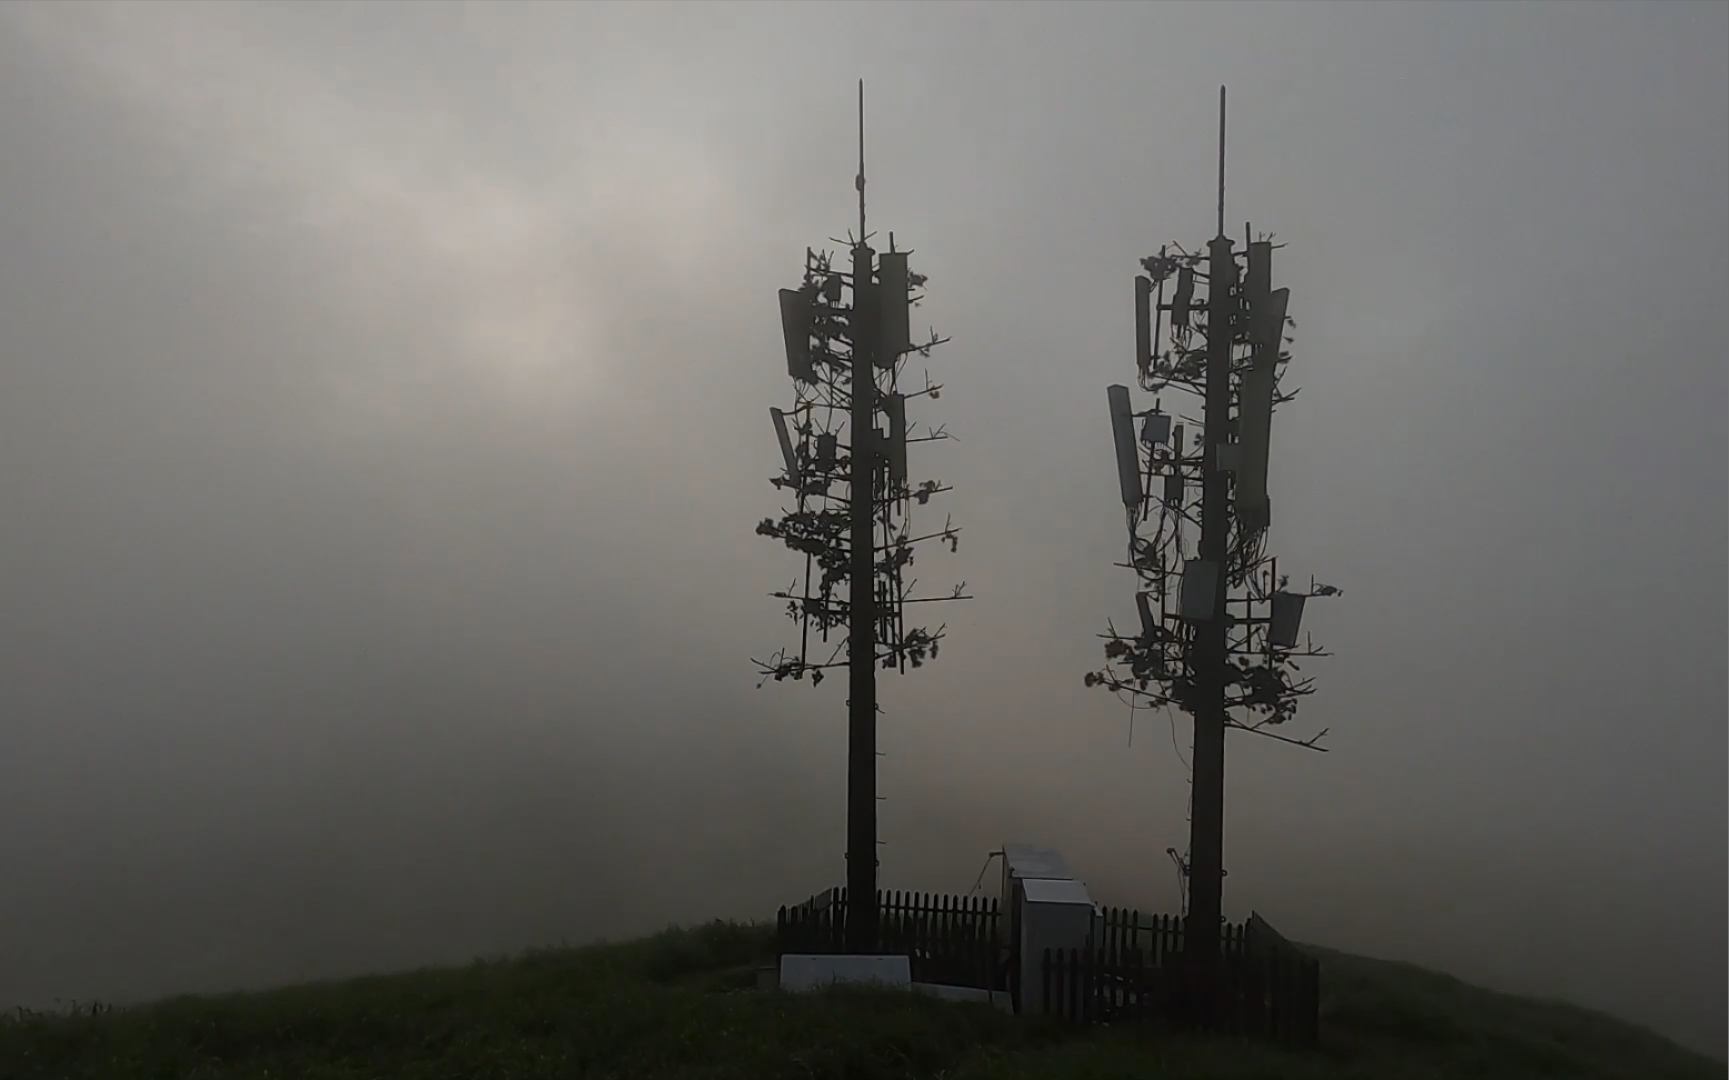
(1143, 323)
(1254, 517)
(1286, 621)
(1174, 490)
(1149, 624)
(896, 407)
(797, 314)
(1255, 409)
(1199, 599)
(1259, 281)
(1184, 298)
(894, 294)
(1226, 277)
(1128, 458)
(786, 451)
(1269, 324)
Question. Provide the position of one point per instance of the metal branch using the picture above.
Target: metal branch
(1307, 744)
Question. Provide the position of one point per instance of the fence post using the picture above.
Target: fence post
(942, 946)
(1084, 984)
(1045, 981)
(1222, 1014)
(1062, 976)
(998, 923)
(927, 927)
(988, 941)
(1072, 985)
(836, 922)
(1089, 986)
(981, 969)
(921, 930)
(901, 925)
(1239, 1000)
(1109, 926)
(1242, 1021)
(1139, 984)
(1095, 985)
(967, 916)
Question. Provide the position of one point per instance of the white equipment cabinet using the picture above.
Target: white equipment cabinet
(1048, 908)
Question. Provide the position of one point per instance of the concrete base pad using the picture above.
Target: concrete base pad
(812, 972)
(999, 998)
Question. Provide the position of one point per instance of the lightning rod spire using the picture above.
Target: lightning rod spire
(1221, 156)
(860, 184)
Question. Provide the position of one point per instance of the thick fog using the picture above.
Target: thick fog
(384, 423)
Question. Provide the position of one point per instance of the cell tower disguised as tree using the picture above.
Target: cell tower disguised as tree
(1219, 634)
(843, 449)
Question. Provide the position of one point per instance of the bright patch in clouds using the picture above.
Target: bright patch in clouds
(520, 277)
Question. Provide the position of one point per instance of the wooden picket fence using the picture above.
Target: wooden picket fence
(1125, 936)
(947, 939)
(1269, 988)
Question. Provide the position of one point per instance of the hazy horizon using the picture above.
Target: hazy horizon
(383, 430)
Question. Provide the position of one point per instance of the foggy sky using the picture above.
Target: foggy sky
(383, 428)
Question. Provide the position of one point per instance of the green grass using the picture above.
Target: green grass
(682, 1004)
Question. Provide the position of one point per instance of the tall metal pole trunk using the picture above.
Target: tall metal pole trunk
(1207, 819)
(861, 913)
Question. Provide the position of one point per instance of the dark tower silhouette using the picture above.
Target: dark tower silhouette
(847, 361)
(1220, 643)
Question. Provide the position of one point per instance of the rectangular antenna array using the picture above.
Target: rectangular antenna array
(895, 292)
(1128, 458)
(797, 313)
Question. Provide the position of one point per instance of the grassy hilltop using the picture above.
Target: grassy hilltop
(683, 1004)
